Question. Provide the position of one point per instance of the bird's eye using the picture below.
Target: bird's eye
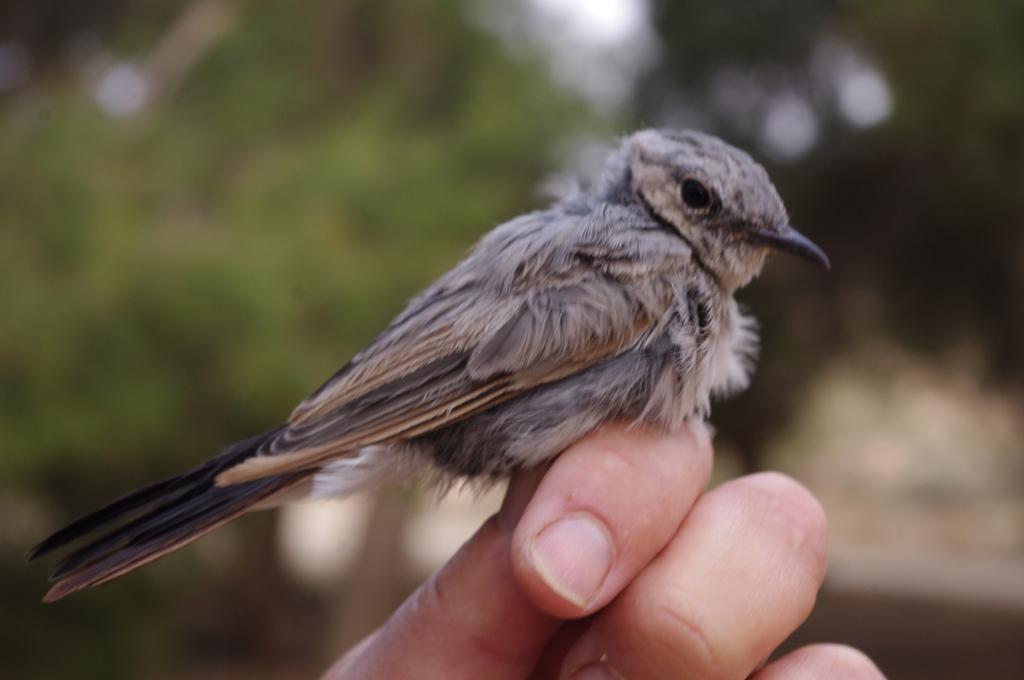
(695, 194)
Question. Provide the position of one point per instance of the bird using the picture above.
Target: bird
(615, 303)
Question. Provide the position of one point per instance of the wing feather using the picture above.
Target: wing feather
(467, 357)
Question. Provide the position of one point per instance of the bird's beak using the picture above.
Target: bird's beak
(789, 240)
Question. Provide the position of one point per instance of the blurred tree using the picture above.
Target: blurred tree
(921, 216)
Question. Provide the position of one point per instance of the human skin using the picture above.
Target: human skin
(615, 563)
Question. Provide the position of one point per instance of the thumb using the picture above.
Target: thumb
(470, 620)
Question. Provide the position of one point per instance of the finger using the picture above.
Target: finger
(835, 662)
(606, 507)
(470, 620)
(740, 576)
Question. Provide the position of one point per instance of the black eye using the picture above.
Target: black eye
(695, 194)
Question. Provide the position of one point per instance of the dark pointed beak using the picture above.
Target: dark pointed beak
(789, 240)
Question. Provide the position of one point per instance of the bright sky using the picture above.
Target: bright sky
(600, 22)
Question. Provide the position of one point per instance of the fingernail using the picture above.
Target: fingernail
(573, 556)
(597, 671)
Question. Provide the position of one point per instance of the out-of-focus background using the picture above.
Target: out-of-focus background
(207, 206)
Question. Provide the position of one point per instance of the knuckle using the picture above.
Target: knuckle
(785, 503)
(662, 459)
(847, 663)
(617, 444)
(665, 623)
(439, 602)
(612, 458)
(431, 597)
(605, 453)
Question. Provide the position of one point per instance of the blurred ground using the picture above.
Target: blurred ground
(206, 207)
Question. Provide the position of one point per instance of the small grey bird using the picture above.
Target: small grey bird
(615, 304)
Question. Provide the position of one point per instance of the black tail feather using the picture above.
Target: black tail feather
(152, 521)
(130, 531)
(118, 508)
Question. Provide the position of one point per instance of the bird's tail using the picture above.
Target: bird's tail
(155, 520)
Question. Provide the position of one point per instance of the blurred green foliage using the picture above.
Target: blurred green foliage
(180, 280)
(198, 270)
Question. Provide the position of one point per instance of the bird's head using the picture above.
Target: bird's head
(717, 198)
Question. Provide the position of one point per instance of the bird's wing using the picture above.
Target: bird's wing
(458, 350)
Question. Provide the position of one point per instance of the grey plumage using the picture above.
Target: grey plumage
(614, 304)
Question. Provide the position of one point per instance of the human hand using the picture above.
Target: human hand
(618, 565)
